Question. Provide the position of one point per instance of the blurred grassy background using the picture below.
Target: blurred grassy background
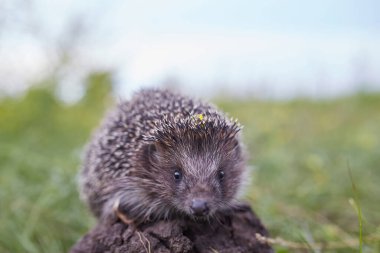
(301, 152)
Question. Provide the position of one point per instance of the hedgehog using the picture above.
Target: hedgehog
(163, 155)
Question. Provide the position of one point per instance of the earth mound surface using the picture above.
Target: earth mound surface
(234, 232)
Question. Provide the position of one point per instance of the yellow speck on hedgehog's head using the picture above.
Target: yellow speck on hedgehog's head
(198, 119)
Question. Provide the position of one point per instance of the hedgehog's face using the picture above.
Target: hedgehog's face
(198, 176)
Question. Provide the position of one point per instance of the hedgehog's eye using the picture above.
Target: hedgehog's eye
(221, 175)
(177, 175)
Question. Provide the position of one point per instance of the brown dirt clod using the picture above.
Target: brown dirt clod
(232, 232)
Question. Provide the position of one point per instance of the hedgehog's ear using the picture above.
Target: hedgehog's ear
(156, 147)
(153, 151)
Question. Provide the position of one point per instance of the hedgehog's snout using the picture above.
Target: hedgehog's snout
(199, 207)
(201, 199)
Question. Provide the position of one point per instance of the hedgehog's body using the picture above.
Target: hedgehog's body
(163, 154)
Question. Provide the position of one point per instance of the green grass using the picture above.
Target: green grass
(299, 152)
(301, 183)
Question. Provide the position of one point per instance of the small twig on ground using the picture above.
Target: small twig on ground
(147, 249)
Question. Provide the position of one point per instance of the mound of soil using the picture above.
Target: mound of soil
(233, 232)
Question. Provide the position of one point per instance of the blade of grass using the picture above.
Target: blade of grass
(354, 202)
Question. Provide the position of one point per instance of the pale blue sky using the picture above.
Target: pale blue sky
(277, 48)
(299, 16)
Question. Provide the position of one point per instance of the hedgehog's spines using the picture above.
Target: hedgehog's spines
(117, 167)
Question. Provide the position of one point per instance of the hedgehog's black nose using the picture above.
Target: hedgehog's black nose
(199, 207)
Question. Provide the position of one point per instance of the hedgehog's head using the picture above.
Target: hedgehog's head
(197, 164)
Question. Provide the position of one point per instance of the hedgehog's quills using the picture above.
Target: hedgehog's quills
(162, 155)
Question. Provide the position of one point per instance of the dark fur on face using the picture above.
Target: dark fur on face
(189, 160)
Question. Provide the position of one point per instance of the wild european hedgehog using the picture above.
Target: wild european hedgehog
(162, 155)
